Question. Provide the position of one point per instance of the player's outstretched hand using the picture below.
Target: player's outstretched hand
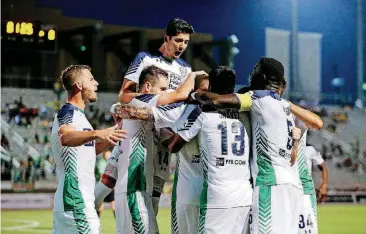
(296, 133)
(112, 135)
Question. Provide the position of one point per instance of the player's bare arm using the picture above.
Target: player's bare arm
(72, 138)
(311, 120)
(240, 102)
(323, 189)
(127, 111)
(296, 135)
(182, 93)
(175, 143)
(128, 91)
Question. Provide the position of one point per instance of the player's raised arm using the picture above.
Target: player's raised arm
(129, 87)
(182, 93)
(311, 120)
(296, 135)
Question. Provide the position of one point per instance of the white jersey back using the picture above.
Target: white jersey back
(74, 165)
(188, 179)
(272, 123)
(312, 156)
(224, 153)
(134, 166)
(178, 69)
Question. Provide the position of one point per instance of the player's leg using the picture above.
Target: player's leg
(113, 207)
(123, 214)
(157, 190)
(110, 199)
(151, 218)
(307, 217)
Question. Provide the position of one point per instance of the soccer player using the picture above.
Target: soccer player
(277, 193)
(134, 212)
(100, 167)
(308, 222)
(75, 148)
(226, 195)
(163, 116)
(176, 39)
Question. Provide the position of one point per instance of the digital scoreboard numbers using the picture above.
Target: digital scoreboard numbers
(28, 36)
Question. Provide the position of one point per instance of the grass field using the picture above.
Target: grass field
(333, 219)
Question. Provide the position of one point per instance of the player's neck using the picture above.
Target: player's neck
(76, 101)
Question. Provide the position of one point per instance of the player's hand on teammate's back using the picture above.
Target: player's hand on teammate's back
(296, 133)
(112, 135)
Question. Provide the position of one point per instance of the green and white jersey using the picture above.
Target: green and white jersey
(164, 117)
(305, 175)
(313, 156)
(188, 179)
(134, 166)
(177, 69)
(74, 165)
(272, 123)
(224, 152)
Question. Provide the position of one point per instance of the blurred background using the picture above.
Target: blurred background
(320, 43)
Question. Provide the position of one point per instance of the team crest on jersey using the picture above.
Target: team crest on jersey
(220, 162)
(183, 71)
(196, 159)
(286, 109)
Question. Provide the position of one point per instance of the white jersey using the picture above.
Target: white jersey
(272, 123)
(224, 153)
(188, 179)
(74, 165)
(135, 167)
(177, 69)
(165, 117)
(312, 156)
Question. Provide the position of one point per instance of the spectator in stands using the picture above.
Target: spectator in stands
(5, 142)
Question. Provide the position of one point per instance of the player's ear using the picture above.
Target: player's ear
(148, 86)
(78, 85)
(166, 38)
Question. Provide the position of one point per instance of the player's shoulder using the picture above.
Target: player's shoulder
(259, 94)
(183, 63)
(146, 98)
(171, 106)
(67, 109)
(141, 55)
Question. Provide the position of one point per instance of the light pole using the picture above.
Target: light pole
(360, 68)
(294, 49)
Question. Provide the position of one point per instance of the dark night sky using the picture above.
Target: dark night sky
(335, 19)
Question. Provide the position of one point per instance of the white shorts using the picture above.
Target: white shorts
(184, 218)
(135, 214)
(275, 209)
(308, 221)
(75, 222)
(223, 220)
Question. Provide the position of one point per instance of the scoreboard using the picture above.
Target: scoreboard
(28, 36)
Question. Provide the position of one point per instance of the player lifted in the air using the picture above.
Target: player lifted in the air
(226, 194)
(75, 148)
(176, 39)
(277, 193)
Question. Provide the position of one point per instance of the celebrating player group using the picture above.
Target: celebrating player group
(241, 165)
